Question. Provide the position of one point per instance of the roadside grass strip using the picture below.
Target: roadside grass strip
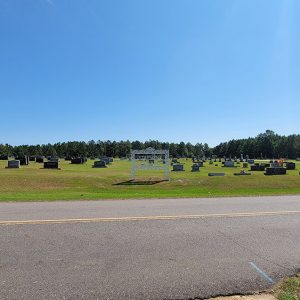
(289, 289)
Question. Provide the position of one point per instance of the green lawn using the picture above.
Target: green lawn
(289, 289)
(83, 182)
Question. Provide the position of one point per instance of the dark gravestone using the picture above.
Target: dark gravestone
(241, 173)
(258, 168)
(290, 166)
(200, 164)
(54, 159)
(3, 157)
(51, 165)
(99, 164)
(13, 164)
(31, 158)
(275, 171)
(229, 164)
(39, 159)
(216, 174)
(195, 168)
(106, 159)
(24, 160)
(250, 161)
(68, 158)
(77, 161)
(178, 167)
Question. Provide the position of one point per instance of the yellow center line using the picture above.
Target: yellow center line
(150, 218)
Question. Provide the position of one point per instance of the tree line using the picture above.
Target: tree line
(265, 145)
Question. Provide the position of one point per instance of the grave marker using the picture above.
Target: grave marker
(99, 164)
(178, 167)
(51, 165)
(195, 168)
(13, 164)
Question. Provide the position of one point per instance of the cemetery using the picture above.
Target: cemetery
(23, 179)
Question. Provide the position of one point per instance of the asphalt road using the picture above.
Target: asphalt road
(147, 249)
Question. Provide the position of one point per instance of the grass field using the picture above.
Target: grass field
(289, 289)
(84, 182)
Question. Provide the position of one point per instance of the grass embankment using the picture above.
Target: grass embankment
(84, 182)
(289, 289)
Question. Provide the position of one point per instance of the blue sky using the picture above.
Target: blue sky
(193, 70)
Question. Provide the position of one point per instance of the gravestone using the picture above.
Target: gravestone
(216, 174)
(31, 158)
(54, 159)
(77, 161)
(242, 173)
(275, 165)
(24, 160)
(39, 159)
(290, 166)
(250, 161)
(68, 158)
(3, 157)
(178, 167)
(275, 171)
(229, 164)
(107, 160)
(298, 159)
(100, 164)
(258, 168)
(195, 168)
(13, 164)
(51, 165)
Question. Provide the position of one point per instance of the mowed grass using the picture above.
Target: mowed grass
(289, 289)
(31, 183)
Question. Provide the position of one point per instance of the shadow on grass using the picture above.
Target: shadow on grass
(139, 182)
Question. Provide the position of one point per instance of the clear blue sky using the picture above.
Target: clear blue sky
(188, 70)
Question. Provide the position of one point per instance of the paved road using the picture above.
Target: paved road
(147, 249)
